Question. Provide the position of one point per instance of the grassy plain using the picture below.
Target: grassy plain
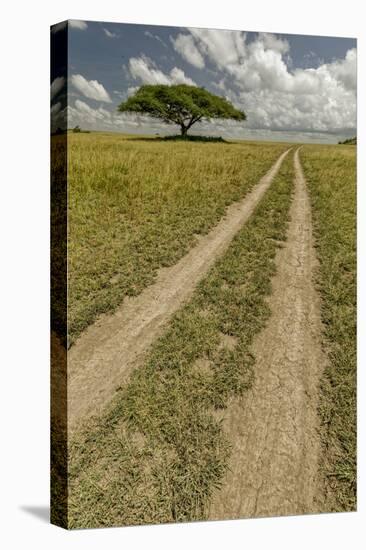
(136, 205)
(159, 451)
(331, 176)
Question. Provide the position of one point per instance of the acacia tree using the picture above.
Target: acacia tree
(180, 104)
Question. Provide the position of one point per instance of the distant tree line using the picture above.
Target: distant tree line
(350, 141)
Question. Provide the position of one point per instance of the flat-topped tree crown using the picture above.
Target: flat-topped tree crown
(180, 104)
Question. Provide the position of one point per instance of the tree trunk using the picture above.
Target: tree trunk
(183, 130)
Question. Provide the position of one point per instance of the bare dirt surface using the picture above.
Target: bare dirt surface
(107, 351)
(274, 427)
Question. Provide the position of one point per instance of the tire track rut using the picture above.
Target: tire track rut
(274, 428)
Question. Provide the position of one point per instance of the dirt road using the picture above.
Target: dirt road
(274, 427)
(106, 352)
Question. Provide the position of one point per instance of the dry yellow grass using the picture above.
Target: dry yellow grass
(331, 176)
(136, 205)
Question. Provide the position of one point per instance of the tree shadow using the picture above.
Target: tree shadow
(184, 139)
(40, 512)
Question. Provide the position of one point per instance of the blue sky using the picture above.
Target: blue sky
(291, 87)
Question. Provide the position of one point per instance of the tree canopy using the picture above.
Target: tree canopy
(180, 104)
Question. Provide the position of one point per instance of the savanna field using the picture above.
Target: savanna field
(136, 205)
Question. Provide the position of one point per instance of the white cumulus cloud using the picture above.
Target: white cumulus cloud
(86, 114)
(144, 69)
(184, 44)
(82, 114)
(177, 76)
(273, 42)
(256, 77)
(345, 70)
(220, 46)
(90, 88)
(131, 90)
(57, 85)
(76, 24)
(56, 108)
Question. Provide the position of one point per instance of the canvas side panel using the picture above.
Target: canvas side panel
(59, 57)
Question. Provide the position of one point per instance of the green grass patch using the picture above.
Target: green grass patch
(159, 451)
(135, 206)
(331, 176)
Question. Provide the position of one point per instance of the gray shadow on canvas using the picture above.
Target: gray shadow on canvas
(40, 512)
